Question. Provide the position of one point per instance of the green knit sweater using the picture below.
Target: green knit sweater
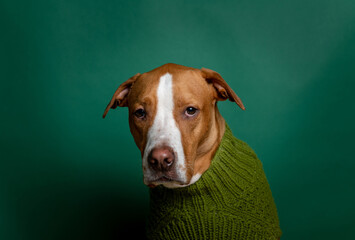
(231, 200)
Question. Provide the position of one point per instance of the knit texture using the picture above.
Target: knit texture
(231, 200)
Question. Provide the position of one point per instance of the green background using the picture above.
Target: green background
(65, 173)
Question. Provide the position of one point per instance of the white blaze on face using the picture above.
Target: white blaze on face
(164, 131)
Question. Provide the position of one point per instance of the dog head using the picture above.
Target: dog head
(174, 120)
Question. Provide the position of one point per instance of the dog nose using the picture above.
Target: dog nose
(161, 158)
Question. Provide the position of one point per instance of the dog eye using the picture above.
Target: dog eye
(140, 113)
(190, 111)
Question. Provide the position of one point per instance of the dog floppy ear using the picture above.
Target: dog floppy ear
(119, 98)
(223, 90)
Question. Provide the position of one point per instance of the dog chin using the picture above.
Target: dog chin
(171, 183)
(166, 182)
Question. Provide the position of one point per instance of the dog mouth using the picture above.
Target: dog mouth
(162, 180)
(165, 179)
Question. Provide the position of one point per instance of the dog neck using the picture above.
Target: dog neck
(232, 192)
(209, 147)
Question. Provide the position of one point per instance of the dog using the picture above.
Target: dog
(185, 145)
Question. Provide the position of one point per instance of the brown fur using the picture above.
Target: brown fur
(201, 89)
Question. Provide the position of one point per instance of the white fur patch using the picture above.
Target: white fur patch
(195, 178)
(164, 130)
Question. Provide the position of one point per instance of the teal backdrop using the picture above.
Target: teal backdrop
(66, 173)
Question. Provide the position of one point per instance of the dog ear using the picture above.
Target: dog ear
(223, 90)
(119, 98)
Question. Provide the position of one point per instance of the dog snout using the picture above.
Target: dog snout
(161, 158)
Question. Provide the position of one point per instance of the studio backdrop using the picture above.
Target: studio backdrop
(66, 173)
